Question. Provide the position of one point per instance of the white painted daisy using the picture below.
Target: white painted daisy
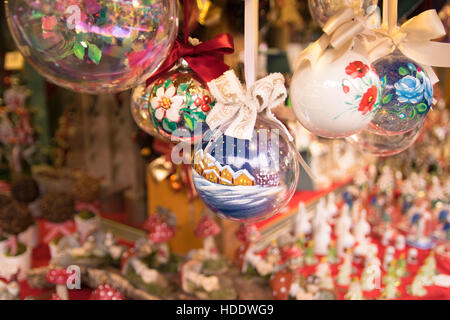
(166, 104)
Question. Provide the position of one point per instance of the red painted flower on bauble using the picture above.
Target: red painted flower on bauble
(368, 100)
(356, 69)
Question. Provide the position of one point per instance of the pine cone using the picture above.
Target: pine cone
(4, 201)
(15, 218)
(57, 207)
(86, 189)
(25, 189)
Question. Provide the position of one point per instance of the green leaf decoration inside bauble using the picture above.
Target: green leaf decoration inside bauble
(189, 99)
(189, 122)
(94, 53)
(102, 16)
(412, 113)
(421, 107)
(182, 88)
(387, 98)
(200, 116)
(78, 50)
(167, 83)
(168, 125)
(403, 71)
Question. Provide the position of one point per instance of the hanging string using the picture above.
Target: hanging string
(250, 41)
(390, 15)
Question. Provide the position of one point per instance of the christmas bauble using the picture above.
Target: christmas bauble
(335, 98)
(406, 94)
(175, 106)
(380, 144)
(322, 10)
(246, 180)
(94, 46)
(140, 109)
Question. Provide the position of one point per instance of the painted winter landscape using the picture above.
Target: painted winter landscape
(226, 191)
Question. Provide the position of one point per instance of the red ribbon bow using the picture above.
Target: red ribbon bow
(205, 59)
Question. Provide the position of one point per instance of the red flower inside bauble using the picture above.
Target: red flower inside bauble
(356, 69)
(368, 100)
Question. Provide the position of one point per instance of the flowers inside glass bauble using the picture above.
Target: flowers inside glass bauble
(380, 144)
(322, 10)
(174, 106)
(406, 96)
(246, 180)
(335, 98)
(94, 46)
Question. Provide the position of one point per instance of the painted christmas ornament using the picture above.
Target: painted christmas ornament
(336, 98)
(379, 144)
(246, 180)
(406, 96)
(322, 10)
(175, 106)
(140, 111)
(94, 46)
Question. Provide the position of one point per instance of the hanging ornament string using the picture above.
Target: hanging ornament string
(251, 25)
(205, 59)
(239, 108)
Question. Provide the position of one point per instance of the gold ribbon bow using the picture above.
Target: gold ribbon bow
(341, 32)
(412, 38)
(345, 31)
(239, 109)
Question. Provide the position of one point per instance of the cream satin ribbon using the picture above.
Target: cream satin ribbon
(412, 38)
(345, 31)
(342, 31)
(239, 109)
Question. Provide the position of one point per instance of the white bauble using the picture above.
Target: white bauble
(336, 98)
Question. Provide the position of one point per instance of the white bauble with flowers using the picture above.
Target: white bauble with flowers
(336, 98)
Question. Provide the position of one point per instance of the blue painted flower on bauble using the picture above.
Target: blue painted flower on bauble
(406, 95)
(409, 89)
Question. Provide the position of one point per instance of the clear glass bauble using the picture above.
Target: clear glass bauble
(379, 144)
(406, 95)
(174, 107)
(246, 180)
(94, 46)
(322, 10)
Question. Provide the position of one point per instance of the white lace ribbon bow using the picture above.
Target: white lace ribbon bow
(239, 108)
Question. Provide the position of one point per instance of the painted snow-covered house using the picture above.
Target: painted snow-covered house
(198, 162)
(227, 176)
(211, 175)
(243, 178)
